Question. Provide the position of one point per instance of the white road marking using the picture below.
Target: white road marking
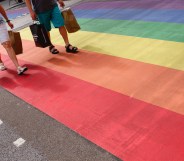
(1, 122)
(19, 142)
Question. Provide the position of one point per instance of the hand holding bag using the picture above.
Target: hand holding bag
(16, 41)
(70, 21)
(40, 35)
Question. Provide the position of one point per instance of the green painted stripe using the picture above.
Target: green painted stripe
(154, 30)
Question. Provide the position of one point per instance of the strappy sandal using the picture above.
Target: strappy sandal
(53, 50)
(71, 49)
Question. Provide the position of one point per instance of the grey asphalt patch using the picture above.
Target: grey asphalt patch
(10, 152)
(46, 139)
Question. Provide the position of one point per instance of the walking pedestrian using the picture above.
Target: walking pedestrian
(5, 41)
(47, 11)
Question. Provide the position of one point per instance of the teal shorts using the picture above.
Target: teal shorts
(53, 16)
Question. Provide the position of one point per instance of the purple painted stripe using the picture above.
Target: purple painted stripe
(142, 4)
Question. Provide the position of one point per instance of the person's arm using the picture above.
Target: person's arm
(61, 3)
(29, 6)
(3, 13)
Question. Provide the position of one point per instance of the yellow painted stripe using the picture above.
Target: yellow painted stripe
(159, 52)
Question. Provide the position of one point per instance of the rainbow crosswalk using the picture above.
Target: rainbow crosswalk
(124, 90)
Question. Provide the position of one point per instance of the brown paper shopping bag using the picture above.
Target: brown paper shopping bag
(16, 41)
(70, 21)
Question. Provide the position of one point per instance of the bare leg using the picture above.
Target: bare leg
(2, 67)
(13, 57)
(11, 53)
(0, 59)
(64, 34)
(48, 34)
(52, 48)
(68, 46)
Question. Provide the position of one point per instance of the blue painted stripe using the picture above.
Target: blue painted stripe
(173, 16)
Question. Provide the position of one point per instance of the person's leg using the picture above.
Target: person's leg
(52, 48)
(0, 59)
(58, 22)
(5, 41)
(64, 34)
(3, 37)
(11, 53)
(2, 66)
(44, 18)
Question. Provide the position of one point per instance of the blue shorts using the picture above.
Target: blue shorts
(53, 16)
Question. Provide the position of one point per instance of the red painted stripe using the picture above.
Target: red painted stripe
(129, 128)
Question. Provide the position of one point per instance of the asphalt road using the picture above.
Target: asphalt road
(27, 134)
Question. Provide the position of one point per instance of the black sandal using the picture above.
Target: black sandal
(71, 50)
(53, 50)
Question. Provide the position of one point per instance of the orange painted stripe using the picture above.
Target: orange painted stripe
(154, 84)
